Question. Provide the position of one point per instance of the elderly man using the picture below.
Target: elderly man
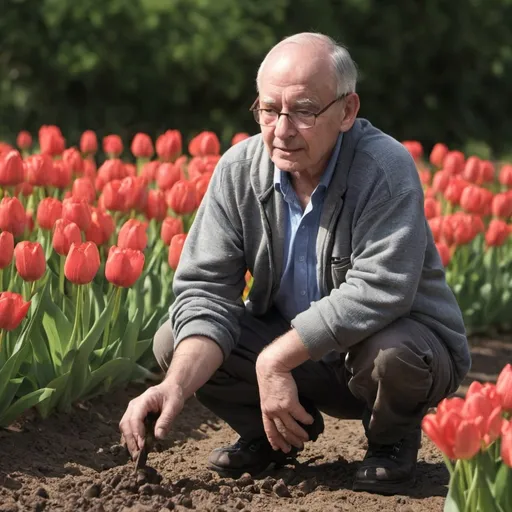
(349, 313)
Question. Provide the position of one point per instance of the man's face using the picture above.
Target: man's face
(299, 79)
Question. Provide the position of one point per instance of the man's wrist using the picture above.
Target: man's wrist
(285, 353)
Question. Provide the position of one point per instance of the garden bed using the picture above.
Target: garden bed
(74, 462)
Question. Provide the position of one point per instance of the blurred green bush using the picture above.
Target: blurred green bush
(433, 70)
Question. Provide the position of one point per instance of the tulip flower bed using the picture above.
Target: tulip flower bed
(87, 254)
(468, 204)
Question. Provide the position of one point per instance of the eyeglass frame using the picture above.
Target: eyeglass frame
(279, 114)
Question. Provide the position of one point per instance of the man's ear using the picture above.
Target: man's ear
(351, 106)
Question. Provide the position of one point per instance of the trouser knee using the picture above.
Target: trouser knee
(163, 345)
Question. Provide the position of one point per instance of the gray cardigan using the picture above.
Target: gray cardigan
(376, 256)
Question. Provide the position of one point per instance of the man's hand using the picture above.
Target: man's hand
(165, 399)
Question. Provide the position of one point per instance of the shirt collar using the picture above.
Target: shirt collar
(281, 181)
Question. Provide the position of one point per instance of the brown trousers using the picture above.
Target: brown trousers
(389, 380)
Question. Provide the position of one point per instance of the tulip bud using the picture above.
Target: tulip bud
(83, 188)
(101, 228)
(453, 162)
(502, 205)
(437, 155)
(142, 146)
(181, 198)
(82, 263)
(124, 266)
(13, 310)
(133, 190)
(505, 176)
(88, 143)
(39, 170)
(205, 143)
(487, 171)
(432, 208)
(74, 160)
(506, 443)
(6, 249)
(62, 175)
(168, 145)
(171, 226)
(473, 170)
(12, 216)
(149, 170)
(444, 253)
(24, 140)
(415, 148)
(156, 207)
(497, 233)
(112, 145)
(201, 185)
(77, 211)
(167, 175)
(112, 169)
(436, 226)
(175, 250)
(454, 190)
(132, 235)
(90, 169)
(11, 169)
(440, 181)
(65, 233)
(30, 260)
(504, 388)
(51, 140)
(48, 212)
(239, 137)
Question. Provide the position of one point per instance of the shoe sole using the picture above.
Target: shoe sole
(387, 488)
(253, 471)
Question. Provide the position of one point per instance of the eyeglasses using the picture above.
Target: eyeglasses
(301, 119)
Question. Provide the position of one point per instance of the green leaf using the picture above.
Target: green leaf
(455, 501)
(24, 403)
(503, 487)
(9, 393)
(112, 369)
(9, 371)
(59, 386)
(58, 330)
(141, 347)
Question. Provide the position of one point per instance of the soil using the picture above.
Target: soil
(73, 462)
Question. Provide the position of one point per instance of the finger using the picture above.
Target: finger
(275, 439)
(292, 431)
(128, 434)
(170, 411)
(300, 414)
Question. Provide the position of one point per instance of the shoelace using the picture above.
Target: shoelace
(385, 450)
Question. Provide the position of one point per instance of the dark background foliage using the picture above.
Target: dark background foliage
(433, 70)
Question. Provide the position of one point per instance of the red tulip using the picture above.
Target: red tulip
(504, 388)
(414, 147)
(181, 198)
(51, 140)
(436, 226)
(149, 170)
(171, 226)
(6, 249)
(132, 235)
(440, 181)
(156, 207)
(444, 253)
(48, 212)
(111, 169)
(505, 176)
(169, 145)
(25, 189)
(12, 216)
(502, 205)
(39, 170)
(77, 211)
(167, 175)
(175, 250)
(13, 309)
(497, 233)
(201, 185)
(473, 170)
(453, 162)
(29, 221)
(506, 443)
(30, 260)
(74, 160)
(437, 155)
(24, 140)
(82, 263)
(432, 208)
(142, 146)
(454, 190)
(425, 176)
(83, 188)
(134, 192)
(11, 169)
(90, 169)
(112, 145)
(101, 227)
(62, 175)
(200, 165)
(475, 199)
(65, 233)
(487, 170)
(124, 266)
(205, 143)
(239, 137)
(456, 437)
(88, 143)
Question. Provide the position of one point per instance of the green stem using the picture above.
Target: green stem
(117, 303)
(472, 497)
(2, 280)
(76, 324)
(448, 464)
(62, 261)
(32, 289)
(12, 275)
(1, 338)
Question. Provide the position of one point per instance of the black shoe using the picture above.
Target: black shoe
(389, 469)
(254, 456)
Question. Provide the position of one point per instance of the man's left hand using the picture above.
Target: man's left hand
(280, 404)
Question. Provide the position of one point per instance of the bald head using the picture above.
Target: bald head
(314, 54)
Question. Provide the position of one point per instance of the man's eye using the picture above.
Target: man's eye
(304, 113)
(268, 111)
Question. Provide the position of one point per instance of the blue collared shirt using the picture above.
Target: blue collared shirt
(299, 282)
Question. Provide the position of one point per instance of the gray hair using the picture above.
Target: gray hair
(344, 67)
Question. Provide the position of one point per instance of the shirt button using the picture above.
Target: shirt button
(303, 292)
(302, 258)
(303, 227)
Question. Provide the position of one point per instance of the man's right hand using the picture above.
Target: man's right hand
(165, 399)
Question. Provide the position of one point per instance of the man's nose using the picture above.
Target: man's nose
(284, 127)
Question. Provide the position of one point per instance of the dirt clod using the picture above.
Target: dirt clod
(93, 491)
(281, 489)
(42, 493)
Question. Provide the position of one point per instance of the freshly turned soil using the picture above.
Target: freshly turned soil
(74, 462)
